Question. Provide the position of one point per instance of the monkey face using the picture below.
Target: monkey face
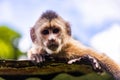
(51, 37)
(50, 32)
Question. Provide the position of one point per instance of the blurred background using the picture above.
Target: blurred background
(96, 23)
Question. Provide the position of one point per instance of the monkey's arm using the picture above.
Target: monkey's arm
(108, 64)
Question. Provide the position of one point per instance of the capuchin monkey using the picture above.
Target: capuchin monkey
(51, 35)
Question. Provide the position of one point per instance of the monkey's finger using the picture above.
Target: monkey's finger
(37, 58)
(40, 58)
(95, 64)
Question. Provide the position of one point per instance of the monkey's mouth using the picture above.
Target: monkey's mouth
(53, 46)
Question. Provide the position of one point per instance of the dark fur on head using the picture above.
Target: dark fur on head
(49, 15)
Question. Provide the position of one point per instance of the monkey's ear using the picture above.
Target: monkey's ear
(32, 34)
(68, 28)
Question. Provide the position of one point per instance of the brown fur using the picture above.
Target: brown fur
(70, 47)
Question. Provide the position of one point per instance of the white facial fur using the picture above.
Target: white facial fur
(51, 51)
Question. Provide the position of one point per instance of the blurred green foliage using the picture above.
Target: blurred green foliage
(9, 43)
(91, 76)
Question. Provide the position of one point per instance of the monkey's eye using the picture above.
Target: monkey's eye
(45, 32)
(56, 30)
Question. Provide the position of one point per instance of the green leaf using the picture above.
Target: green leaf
(9, 43)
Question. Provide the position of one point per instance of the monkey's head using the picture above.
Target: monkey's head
(50, 32)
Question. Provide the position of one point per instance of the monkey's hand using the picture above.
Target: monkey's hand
(37, 56)
(86, 59)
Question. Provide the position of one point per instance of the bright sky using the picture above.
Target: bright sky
(94, 22)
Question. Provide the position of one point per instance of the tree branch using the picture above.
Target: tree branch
(27, 68)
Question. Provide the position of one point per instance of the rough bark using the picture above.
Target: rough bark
(47, 70)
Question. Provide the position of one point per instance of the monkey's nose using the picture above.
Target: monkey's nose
(52, 40)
